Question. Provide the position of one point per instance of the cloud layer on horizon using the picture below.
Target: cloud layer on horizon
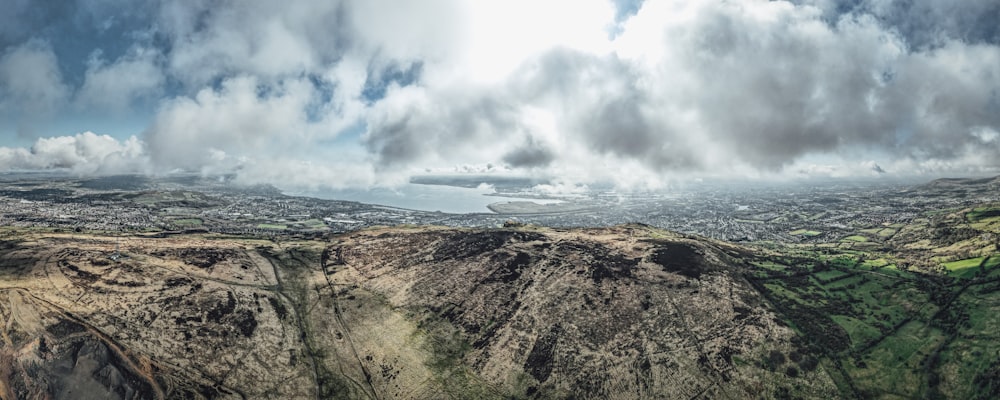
(355, 93)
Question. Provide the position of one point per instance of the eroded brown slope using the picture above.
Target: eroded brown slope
(607, 313)
(172, 318)
(626, 312)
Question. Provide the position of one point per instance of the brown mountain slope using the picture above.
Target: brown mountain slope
(624, 312)
(604, 313)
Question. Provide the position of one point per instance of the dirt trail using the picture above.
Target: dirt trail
(338, 314)
(300, 324)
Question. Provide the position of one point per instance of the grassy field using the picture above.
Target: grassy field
(902, 310)
(985, 218)
(964, 268)
(804, 232)
(176, 198)
(188, 222)
(876, 263)
(827, 276)
(893, 333)
(272, 226)
(980, 213)
(885, 233)
(313, 224)
(991, 224)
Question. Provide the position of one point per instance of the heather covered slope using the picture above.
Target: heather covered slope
(523, 312)
(390, 313)
(624, 312)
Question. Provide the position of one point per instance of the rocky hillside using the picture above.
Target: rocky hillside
(624, 312)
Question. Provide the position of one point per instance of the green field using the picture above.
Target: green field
(964, 268)
(887, 232)
(313, 224)
(980, 213)
(876, 263)
(984, 218)
(272, 226)
(963, 264)
(991, 224)
(188, 222)
(893, 333)
(830, 275)
(900, 311)
(175, 198)
(804, 232)
(859, 331)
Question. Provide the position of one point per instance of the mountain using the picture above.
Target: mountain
(517, 312)
(946, 182)
(392, 313)
(961, 186)
(625, 312)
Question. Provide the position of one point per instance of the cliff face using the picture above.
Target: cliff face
(625, 312)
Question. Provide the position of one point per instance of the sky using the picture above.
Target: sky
(363, 93)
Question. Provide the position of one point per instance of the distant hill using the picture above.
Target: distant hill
(993, 182)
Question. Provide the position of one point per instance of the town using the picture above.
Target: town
(788, 213)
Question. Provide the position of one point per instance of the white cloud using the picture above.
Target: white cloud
(334, 173)
(117, 85)
(239, 118)
(85, 153)
(30, 82)
(704, 87)
(684, 88)
(501, 35)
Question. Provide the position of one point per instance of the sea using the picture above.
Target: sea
(412, 196)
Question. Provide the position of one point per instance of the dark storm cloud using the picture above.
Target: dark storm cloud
(943, 101)
(761, 86)
(773, 92)
(607, 107)
(598, 98)
(418, 126)
(773, 84)
(531, 154)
